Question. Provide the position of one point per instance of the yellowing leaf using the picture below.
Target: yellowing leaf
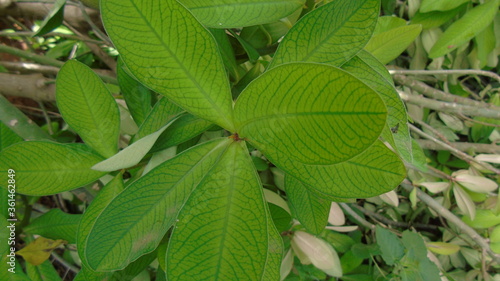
(390, 198)
(39, 250)
(435, 187)
(443, 248)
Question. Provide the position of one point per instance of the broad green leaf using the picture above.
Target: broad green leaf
(435, 19)
(163, 111)
(44, 168)
(310, 114)
(388, 45)
(9, 270)
(311, 210)
(227, 53)
(100, 202)
(173, 54)
(136, 95)
(331, 34)
(7, 137)
(374, 74)
(55, 224)
(386, 23)
(274, 254)
(483, 219)
(42, 272)
(238, 13)
(143, 212)
(133, 153)
(88, 107)
(464, 29)
(375, 171)
(390, 245)
(183, 129)
(222, 230)
(441, 5)
(53, 20)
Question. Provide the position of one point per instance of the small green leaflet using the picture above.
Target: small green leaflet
(173, 54)
(238, 13)
(55, 224)
(87, 106)
(53, 20)
(45, 168)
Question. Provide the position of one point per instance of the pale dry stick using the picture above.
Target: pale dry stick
(467, 158)
(463, 146)
(357, 217)
(450, 217)
(446, 72)
(65, 263)
(431, 92)
(50, 34)
(482, 109)
(477, 121)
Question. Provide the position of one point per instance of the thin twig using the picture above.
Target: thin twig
(446, 72)
(463, 146)
(65, 263)
(467, 158)
(357, 217)
(50, 34)
(477, 121)
(438, 208)
(477, 110)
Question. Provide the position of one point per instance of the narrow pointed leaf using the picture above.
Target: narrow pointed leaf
(464, 29)
(53, 20)
(133, 153)
(309, 209)
(136, 95)
(143, 212)
(44, 168)
(88, 107)
(464, 202)
(331, 34)
(375, 171)
(310, 114)
(173, 54)
(374, 74)
(442, 5)
(222, 231)
(238, 13)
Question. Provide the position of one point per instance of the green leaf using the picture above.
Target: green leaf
(44, 168)
(143, 212)
(173, 54)
(309, 114)
(227, 52)
(55, 224)
(53, 20)
(42, 272)
(311, 210)
(183, 129)
(391, 247)
(331, 34)
(375, 171)
(274, 254)
(163, 111)
(388, 45)
(136, 95)
(441, 5)
(238, 13)
(133, 153)
(88, 107)
(435, 19)
(374, 74)
(464, 29)
(222, 231)
(7, 137)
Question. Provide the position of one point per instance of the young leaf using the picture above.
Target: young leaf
(53, 20)
(442, 5)
(391, 247)
(55, 224)
(366, 67)
(331, 34)
(388, 45)
(136, 95)
(39, 250)
(238, 13)
(224, 224)
(143, 212)
(44, 168)
(464, 29)
(185, 66)
(311, 210)
(464, 202)
(88, 107)
(133, 153)
(310, 114)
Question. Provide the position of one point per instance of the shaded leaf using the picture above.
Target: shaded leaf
(39, 250)
(55, 224)
(53, 20)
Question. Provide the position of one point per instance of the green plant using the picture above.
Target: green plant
(321, 113)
